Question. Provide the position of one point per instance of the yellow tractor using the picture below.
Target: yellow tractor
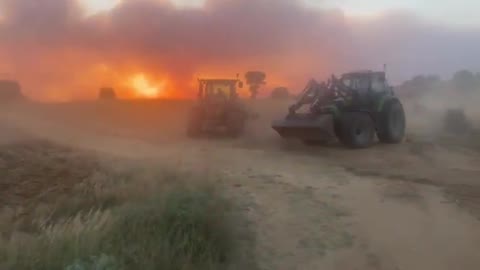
(218, 109)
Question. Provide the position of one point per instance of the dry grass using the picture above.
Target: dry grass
(110, 214)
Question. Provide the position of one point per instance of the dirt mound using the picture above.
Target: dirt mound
(39, 171)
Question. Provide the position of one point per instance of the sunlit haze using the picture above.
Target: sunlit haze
(144, 88)
(450, 12)
(150, 48)
(453, 12)
(95, 6)
(188, 3)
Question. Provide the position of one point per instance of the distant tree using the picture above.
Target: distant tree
(464, 80)
(433, 79)
(107, 93)
(420, 84)
(255, 79)
(280, 93)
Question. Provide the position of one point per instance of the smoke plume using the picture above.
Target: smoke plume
(60, 53)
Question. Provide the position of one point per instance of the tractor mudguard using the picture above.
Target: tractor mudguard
(382, 101)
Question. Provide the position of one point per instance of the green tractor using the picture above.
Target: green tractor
(219, 109)
(353, 108)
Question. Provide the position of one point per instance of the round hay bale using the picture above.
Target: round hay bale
(280, 93)
(10, 91)
(107, 93)
(456, 122)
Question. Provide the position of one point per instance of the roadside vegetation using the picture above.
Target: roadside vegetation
(118, 218)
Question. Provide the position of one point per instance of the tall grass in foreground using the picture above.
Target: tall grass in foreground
(179, 228)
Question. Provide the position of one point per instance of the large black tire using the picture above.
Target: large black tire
(357, 130)
(337, 128)
(195, 123)
(235, 123)
(391, 122)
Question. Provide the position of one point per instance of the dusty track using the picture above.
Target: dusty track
(411, 206)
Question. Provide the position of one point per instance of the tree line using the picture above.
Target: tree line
(463, 81)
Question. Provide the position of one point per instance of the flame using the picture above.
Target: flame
(144, 88)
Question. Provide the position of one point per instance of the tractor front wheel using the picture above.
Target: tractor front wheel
(391, 123)
(235, 123)
(357, 130)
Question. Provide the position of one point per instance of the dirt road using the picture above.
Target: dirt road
(411, 206)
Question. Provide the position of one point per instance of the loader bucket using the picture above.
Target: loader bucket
(306, 128)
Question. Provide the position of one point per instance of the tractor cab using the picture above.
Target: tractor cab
(365, 87)
(365, 81)
(218, 89)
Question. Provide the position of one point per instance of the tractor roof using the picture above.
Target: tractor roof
(219, 80)
(363, 73)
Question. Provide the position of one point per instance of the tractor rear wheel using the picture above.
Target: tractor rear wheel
(357, 130)
(391, 123)
(235, 123)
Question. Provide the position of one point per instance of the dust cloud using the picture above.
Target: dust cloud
(429, 190)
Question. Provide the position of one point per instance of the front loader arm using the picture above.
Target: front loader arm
(309, 96)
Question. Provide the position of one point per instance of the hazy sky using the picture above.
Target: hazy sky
(451, 12)
(463, 13)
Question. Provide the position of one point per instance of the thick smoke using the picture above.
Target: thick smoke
(58, 52)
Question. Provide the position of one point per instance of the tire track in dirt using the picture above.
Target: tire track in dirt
(465, 196)
(399, 223)
(310, 224)
(423, 233)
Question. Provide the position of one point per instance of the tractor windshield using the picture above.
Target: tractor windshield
(220, 88)
(347, 82)
(357, 83)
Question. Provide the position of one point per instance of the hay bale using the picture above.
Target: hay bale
(10, 91)
(456, 122)
(107, 93)
(280, 93)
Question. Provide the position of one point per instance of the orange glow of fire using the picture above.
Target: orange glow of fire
(146, 89)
